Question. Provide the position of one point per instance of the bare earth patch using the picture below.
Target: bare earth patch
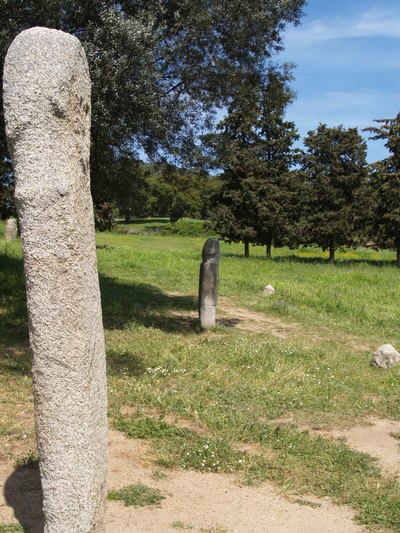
(379, 439)
(204, 502)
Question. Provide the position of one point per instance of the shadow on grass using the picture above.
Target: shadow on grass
(160, 220)
(127, 363)
(144, 304)
(23, 492)
(340, 263)
(122, 304)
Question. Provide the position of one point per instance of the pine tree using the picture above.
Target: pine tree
(277, 187)
(386, 184)
(335, 170)
(235, 150)
(254, 148)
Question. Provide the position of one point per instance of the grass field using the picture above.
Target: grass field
(234, 386)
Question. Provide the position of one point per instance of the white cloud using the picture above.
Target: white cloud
(350, 108)
(355, 108)
(373, 23)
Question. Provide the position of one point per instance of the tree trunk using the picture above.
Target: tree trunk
(246, 249)
(398, 257)
(269, 246)
(331, 254)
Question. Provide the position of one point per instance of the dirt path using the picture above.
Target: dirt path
(202, 502)
(231, 315)
(379, 438)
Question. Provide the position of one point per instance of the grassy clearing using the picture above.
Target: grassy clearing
(236, 386)
(138, 495)
(184, 227)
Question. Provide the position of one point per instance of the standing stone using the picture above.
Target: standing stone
(47, 115)
(11, 229)
(208, 287)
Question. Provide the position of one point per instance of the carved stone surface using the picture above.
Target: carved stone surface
(11, 229)
(208, 286)
(47, 115)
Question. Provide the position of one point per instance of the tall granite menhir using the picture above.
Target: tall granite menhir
(208, 286)
(47, 114)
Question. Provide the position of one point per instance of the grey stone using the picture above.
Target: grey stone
(386, 356)
(47, 115)
(208, 286)
(268, 290)
(11, 229)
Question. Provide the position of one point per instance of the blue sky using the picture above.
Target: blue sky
(347, 54)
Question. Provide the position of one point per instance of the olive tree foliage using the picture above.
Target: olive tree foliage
(159, 69)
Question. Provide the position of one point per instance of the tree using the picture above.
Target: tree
(159, 68)
(335, 170)
(234, 149)
(277, 186)
(385, 178)
(254, 147)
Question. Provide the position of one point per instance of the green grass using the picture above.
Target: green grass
(184, 227)
(11, 528)
(28, 460)
(138, 495)
(238, 387)
(178, 524)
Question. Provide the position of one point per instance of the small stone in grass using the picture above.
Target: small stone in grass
(269, 290)
(386, 356)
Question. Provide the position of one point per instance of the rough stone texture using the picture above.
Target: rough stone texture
(386, 356)
(47, 114)
(208, 286)
(268, 290)
(11, 229)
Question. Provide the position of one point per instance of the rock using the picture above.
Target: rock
(386, 357)
(269, 290)
(47, 115)
(208, 285)
(11, 229)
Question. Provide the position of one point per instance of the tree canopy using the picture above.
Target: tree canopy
(159, 69)
(385, 178)
(254, 148)
(335, 170)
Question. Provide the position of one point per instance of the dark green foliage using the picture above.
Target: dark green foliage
(278, 191)
(174, 192)
(104, 216)
(7, 207)
(234, 148)
(338, 193)
(254, 147)
(386, 184)
(158, 69)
